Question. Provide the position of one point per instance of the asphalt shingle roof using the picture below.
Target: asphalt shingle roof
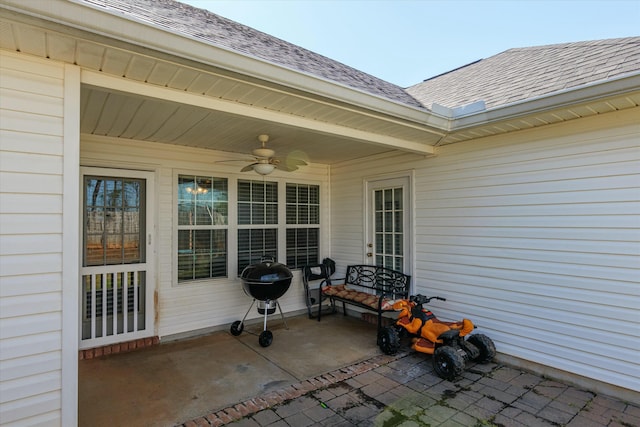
(222, 32)
(524, 73)
(511, 76)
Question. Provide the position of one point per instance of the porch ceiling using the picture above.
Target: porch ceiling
(131, 116)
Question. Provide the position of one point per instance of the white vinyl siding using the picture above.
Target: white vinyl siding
(535, 236)
(186, 308)
(31, 243)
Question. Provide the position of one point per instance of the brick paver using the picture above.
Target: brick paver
(403, 391)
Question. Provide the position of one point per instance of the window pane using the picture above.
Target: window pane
(113, 193)
(314, 194)
(271, 192)
(271, 214)
(244, 243)
(388, 243)
(255, 244)
(303, 215)
(257, 213)
(398, 246)
(271, 239)
(397, 198)
(379, 224)
(292, 194)
(202, 245)
(131, 194)
(378, 200)
(302, 208)
(113, 221)
(244, 213)
(303, 194)
(302, 247)
(314, 214)
(244, 191)
(388, 199)
(291, 214)
(257, 191)
(258, 202)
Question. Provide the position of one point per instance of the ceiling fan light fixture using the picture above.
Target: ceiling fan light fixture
(264, 168)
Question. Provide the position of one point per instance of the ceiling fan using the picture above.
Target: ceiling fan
(264, 161)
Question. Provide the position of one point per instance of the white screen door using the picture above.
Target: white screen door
(116, 275)
(389, 234)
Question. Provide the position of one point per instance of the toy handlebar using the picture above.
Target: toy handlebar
(421, 299)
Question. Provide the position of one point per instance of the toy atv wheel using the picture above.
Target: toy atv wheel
(388, 340)
(236, 328)
(486, 347)
(447, 362)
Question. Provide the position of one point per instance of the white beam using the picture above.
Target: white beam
(70, 246)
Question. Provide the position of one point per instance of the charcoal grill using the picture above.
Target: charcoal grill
(265, 282)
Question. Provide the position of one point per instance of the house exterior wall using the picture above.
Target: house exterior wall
(187, 308)
(32, 243)
(533, 235)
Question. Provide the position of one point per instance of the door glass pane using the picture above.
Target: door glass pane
(388, 217)
(113, 220)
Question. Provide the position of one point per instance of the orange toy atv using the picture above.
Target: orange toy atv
(444, 340)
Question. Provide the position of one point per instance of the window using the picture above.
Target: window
(203, 208)
(268, 219)
(303, 224)
(257, 222)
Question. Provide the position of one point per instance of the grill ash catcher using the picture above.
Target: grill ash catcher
(265, 283)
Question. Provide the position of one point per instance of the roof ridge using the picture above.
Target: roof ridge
(582, 43)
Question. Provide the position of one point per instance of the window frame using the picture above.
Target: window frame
(303, 226)
(232, 226)
(195, 227)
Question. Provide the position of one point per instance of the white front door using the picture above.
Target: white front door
(389, 233)
(117, 274)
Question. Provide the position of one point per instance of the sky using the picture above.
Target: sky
(407, 41)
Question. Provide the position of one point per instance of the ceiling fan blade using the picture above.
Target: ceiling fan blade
(235, 161)
(291, 161)
(285, 167)
(248, 167)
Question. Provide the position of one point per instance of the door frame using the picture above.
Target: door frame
(150, 241)
(406, 180)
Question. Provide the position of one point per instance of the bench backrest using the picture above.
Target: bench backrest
(380, 280)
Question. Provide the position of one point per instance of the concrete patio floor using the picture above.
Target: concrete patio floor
(171, 383)
(327, 373)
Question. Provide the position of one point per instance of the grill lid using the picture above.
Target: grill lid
(267, 280)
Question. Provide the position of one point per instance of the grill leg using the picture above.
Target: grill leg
(266, 313)
(247, 313)
(282, 315)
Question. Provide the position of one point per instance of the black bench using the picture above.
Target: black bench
(369, 287)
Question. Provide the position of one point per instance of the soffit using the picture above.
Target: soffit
(465, 130)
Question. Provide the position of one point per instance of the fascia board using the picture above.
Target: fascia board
(91, 19)
(557, 100)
